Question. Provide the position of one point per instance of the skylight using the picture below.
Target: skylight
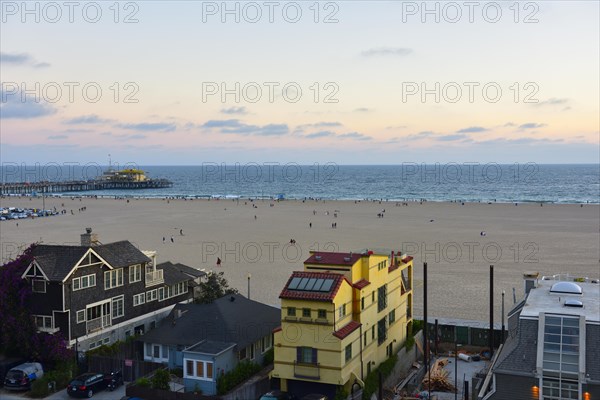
(566, 287)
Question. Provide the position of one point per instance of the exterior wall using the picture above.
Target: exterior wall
(221, 363)
(333, 369)
(592, 347)
(45, 303)
(514, 387)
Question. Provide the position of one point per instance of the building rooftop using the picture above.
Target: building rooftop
(543, 300)
(211, 347)
(319, 286)
(330, 258)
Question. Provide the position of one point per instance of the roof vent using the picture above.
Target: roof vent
(573, 303)
(566, 287)
(318, 258)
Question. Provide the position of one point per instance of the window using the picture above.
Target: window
(362, 303)
(200, 369)
(365, 339)
(291, 311)
(189, 367)
(118, 306)
(156, 351)
(135, 273)
(561, 350)
(243, 354)
(349, 352)
(381, 265)
(306, 355)
(381, 330)
(252, 352)
(113, 279)
(382, 298)
(392, 316)
(80, 316)
(139, 299)
(265, 343)
(161, 294)
(209, 370)
(106, 340)
(389, 350)
(322, 314)
(38, 286)
(306, 312)
(555, 389)
(373, 296)
(342, 311)
(43, 321)
(84, 282)
(373, 332)
(151, 295)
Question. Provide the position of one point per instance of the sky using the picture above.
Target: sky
(349, 82)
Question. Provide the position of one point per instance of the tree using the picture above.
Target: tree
(215, 287)
(161, 379)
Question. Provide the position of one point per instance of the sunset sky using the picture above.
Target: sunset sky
(361, 77)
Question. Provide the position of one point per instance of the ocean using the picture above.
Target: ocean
(471, 182)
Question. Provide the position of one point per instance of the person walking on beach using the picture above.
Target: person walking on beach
(218, 262)
(172, 240)
(310, 225)
(181, 232)
(164, 240)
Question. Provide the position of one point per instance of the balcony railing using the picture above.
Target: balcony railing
(154, 277)
(307, 371)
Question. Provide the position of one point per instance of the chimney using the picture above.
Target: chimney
(530, 279)
(89, 239)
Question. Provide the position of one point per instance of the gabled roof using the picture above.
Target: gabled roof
(361, 284)
(192, 272)
(121, 254)
(331, 258)
(289, 293)
(212, 347)
(346, 329)
(171, 274)
(57, 262)
(241, 321)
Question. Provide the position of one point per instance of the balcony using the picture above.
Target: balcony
(96, 324)
(307, 371)
(154, 277)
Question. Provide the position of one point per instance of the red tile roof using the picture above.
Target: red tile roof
(308, 295)
(407, 259)
(393, 267)
(346, 330)
(361, 284)
(330, 258)
(277, 329)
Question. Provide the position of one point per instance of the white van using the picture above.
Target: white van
(21, 376)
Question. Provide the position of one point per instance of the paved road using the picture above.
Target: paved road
(62, 395)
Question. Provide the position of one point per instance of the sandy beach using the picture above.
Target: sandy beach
(254, 238)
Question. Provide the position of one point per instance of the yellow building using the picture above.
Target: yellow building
(340, 318)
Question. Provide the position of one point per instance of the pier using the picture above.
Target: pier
(25, 188)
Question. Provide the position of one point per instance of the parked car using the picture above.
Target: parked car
(277, 395)
(314, 396)
(6, 364)
(21, 376)
(86, 385)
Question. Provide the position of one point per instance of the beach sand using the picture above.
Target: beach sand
(550, 239)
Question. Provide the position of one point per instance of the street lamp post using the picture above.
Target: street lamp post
(249, 276)
(502, 337)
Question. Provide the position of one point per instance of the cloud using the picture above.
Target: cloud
(88, 119)
(13, 106)
(552, 102)
(509, 124)
(396, 127)
(531, 125)
(472, 129)
(321, 124)
(452, 138)
(387, 51)
(22, 59)
(235, 126)
(519, 141)
(150, 126)
(58, 137)
(235, 110)
(355, 135)
(362, 109)
(319, 134)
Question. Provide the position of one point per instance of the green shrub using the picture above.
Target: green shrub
(143, 382)
(409, 343)
(268, 357)
(161, 379)
(417, 325)
(178, 372)
(240, 373)
(106, 349)
(372, 380)
(340, 393)
(39, 388)
(61, 376)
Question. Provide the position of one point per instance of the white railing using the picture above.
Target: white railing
(154, 277)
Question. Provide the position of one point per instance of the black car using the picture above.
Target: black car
(86, 385)
(277, 395)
